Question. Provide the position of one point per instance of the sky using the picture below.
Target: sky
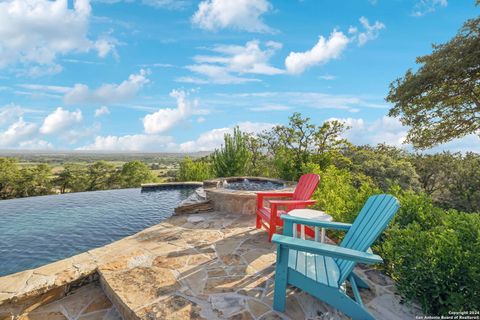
(175, 76)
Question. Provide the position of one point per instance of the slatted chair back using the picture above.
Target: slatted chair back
(367, 227)
(305, 188)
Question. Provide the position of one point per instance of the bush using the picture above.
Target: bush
(194, 170)
(342, 194)
(134, 173)
(433, 255)
(233, 157)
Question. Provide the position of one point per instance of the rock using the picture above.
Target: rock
(228, 304)
(195, 207)
(378, 278)
(174, 307)
(257, 308)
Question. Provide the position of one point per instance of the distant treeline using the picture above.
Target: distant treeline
(60, 158)
(34, 180)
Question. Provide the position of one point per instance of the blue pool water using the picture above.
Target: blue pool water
(39, 230)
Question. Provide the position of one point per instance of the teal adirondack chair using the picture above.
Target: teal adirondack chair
(321, 269)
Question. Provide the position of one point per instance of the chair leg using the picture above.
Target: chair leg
(259, 221)
(280, 290)
(273, 223)
(270, 235)
(345, 304)
(359, 281)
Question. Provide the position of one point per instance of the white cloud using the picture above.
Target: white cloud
(108, 93)
(324, 51)
(370, 32)
(232, 62)
(212, 139)
(136, 142)
(45, 88)
(158, 4)
(422, 7)
(9, 112)
(17, 132)
(384, 130)
(164, 119)
(326, 77)
(245, 15)
(40, 70)
(106, 45)
(35, 144)
(37, 31)
(470, 143)
(60, 120)
(298, 99)
(103, 110)
(270, 107)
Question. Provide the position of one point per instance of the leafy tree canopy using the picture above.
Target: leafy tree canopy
(441, 100)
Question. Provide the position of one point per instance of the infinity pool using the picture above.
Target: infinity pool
(39, 230)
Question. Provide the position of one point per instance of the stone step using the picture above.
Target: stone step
(121, 307)
(195, 207)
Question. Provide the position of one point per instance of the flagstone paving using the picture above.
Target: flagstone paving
(202, 266)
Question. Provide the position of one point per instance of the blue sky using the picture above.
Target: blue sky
(164, 75)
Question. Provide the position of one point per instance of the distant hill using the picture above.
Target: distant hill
(90, 156)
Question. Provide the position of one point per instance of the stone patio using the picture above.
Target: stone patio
(198, 266)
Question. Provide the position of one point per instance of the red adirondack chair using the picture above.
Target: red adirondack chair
(269, 217)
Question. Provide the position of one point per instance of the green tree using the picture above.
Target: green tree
(73, 178)
(34, 181)
(300, 142)
(464, 184)
(198, 170)
(9, 175)
(433, 171)
(232, 159)
(101, 175)
(259, 162)
(441, 100)
(134, 173)
(387, 166)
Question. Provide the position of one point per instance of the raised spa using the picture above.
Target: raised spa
(39, 230)
(238, 194)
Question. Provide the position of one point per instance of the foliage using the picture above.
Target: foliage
(233, 157)
(101, 176)
(198, 170)
(432, 254)
(9, 175)
(34, 181)
(134, 173)
(440, 101)
(433, 171)
(300, 142)
(464, 184)
(385, 165)
(73, 178)
(340, 193)
(259, 164)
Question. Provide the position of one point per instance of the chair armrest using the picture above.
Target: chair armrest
(274, 194)
(326, 249)
(261, 195)
(291, 202)
(317, 223)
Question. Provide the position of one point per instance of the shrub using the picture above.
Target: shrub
(233, 157)
(342, 194)
(432, 254)
(134, 173)
(194, 170)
